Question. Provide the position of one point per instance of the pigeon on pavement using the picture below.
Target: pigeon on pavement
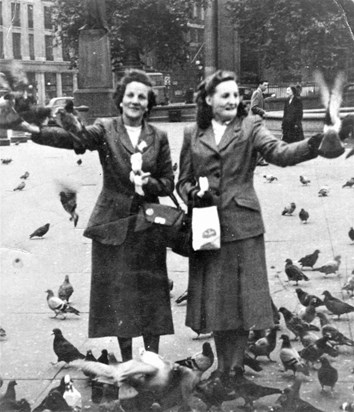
(327, 374)
(335, 336)
(293, 272)
(304, 215)
(349, 183)
(309, 260)
(59, 306)
(64, 350)
(323, 192)
(336, 306)
(79, 162)
(2, 333)
(54, 402)
(351, 234)
(347, 406)
(308, 313)
(290, 357)
(20, 406)
(6, 161)
(270, 178)
(295, 324)
(41, 231)
(65, 289)
(20, 186)
(329, 267)
(25, 176)
(103, 358)
(305, 298)
(289, 210)
(10, 393)
(200, 361)
(304, 180)
(349, 286)
(290, 400)
(265, 345)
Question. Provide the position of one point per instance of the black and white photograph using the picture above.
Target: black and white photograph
(177, 205)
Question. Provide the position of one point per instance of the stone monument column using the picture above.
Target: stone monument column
(95, 79)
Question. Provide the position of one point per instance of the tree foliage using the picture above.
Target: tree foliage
(158, 25)
(294, 37)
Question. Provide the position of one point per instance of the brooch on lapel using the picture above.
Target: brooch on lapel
(141, 146)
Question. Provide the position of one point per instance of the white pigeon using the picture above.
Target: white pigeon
(71, 395)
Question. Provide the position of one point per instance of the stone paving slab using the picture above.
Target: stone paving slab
(29, 267)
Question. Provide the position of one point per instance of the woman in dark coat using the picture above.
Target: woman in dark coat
(129, 285)
(293, 112)
(228, 291)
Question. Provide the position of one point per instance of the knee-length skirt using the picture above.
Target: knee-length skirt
(129, 288)
(228, 288)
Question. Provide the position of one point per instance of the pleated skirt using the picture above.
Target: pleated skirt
(129, 287)
(228, 288)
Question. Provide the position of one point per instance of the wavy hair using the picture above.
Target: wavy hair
(134, 75)
(207, 88)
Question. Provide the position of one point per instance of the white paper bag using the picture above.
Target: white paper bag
(205, 228)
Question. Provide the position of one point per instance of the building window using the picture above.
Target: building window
(50, 86)
(1, 23)
(67, 83)
(16, 45)
(16, 14)
(31, 46)
(48, 18)
(30, 16)
(1, 45)
(49, 47)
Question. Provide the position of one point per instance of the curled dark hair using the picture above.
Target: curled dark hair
(207, 88)
(134, 75)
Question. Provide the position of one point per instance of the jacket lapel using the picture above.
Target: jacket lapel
(231, 133)
(147, 135)
(207, 138)
(123, 135)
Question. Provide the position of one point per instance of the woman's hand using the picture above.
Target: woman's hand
(203, 186)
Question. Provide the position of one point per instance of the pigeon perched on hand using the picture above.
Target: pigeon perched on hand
(41, 231)
(349, 183)
(289, 210)
(331, 145)
(67, 118)
(305, 298)
(20, 186)
(293, 272)
(327, 374)
(64, 350)
(65, 289)
(304, 180)
(309, 260)
(59, 306)
(25, 176)
(304, 215)
(336, 306)
(329, 267)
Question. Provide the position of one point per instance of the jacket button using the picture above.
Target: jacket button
(217, 175)
(217, 193)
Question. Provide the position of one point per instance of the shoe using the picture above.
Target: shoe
(262, 162)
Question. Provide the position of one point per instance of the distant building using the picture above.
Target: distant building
(27, 37)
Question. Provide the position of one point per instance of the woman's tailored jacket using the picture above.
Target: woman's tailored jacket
(111, 215)
(229, 168)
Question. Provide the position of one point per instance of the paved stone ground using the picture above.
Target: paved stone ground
(30, 267)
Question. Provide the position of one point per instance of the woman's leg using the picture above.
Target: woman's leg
(126, 348)
(151, 343)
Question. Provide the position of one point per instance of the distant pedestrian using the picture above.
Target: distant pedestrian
(257, 107)
(293, 112)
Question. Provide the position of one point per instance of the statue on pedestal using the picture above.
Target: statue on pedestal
(96, 15)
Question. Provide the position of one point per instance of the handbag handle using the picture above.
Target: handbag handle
(170, 195)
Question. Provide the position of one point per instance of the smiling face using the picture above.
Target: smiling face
(135, 103)
(289, 92)
(224, 101)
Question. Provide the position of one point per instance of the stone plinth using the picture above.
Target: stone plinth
(95, 80)
(4, 140)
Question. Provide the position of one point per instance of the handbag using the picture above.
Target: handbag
(173, 223)
(205, 228)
